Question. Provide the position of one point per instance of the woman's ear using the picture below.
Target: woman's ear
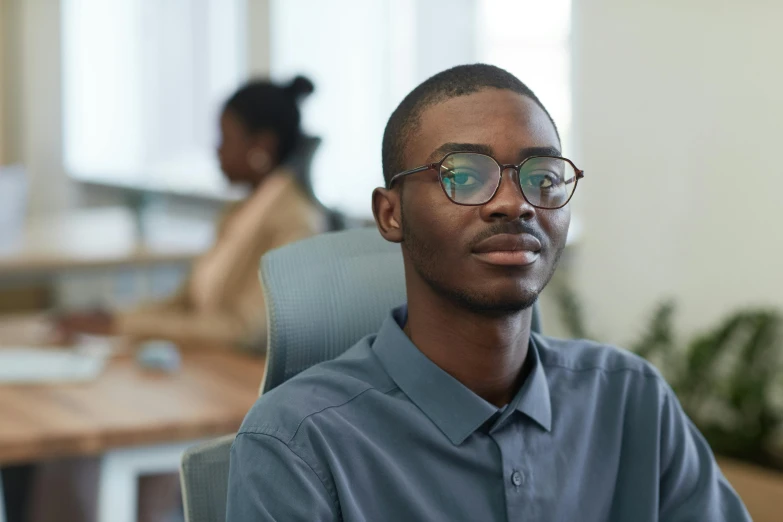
(259, 160)
(268, 142)
(386, 208)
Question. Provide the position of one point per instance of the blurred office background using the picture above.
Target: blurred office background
(672, 108)
(116, 103)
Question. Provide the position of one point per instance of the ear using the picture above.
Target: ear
(267, 141)
(386, 208)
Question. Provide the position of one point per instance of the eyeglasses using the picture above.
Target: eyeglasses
(471, 178)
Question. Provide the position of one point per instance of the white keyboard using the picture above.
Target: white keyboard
(24, 365)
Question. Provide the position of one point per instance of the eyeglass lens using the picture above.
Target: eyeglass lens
(472, 179)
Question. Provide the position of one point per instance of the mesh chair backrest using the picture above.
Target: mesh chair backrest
(325, 293)
(204, 479)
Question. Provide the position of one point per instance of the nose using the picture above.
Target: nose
(509, 203)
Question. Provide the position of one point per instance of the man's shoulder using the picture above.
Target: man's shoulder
(327, 386)
(584, 356)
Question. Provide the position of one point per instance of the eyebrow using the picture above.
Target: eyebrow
(539, 151)
(481, 148)
(446, 148)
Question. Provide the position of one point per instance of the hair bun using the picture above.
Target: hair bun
(300, 87)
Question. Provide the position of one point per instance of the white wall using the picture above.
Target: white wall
(679, 118)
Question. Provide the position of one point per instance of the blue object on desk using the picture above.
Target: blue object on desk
(159, 355)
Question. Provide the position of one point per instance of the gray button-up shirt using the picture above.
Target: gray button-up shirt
(383, 434)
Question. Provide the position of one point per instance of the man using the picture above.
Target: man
(454, 411)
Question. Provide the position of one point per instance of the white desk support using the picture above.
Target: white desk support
(120, 472)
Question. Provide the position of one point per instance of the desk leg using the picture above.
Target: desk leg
(2, 501)
(120, 471)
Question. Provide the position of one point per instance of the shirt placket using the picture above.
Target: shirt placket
(516, 471)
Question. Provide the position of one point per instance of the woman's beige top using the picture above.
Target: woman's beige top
(222, 303)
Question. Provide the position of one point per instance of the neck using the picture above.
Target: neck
(257, 182)
(259, 179)
(485, 353)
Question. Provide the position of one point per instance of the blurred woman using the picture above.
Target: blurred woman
(221, 303)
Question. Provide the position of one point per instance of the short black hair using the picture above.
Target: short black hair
(262, 105)
(451, 83)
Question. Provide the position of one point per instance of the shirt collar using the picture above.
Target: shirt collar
(533, 399)
(452, 407)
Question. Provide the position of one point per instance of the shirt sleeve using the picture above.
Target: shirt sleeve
(270, 482)
(692, 486)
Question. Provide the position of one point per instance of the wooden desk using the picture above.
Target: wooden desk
(128, 406)
(140, 421)
(761, 490)
(100, 237)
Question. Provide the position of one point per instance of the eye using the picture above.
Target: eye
(460, 178)
(543, 180)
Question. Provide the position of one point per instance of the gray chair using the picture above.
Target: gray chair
(204, 479)
(326, 293)
(322, 295)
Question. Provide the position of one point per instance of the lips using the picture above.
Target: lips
(509, 250)
(508, 243)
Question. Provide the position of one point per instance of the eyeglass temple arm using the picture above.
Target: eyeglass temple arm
(579, 175)
(412, 171)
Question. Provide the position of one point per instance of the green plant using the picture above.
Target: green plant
(728, 378)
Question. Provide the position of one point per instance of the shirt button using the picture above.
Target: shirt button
(517, 478)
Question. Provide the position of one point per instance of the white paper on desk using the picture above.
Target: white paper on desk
(22, 365)
(98, 345)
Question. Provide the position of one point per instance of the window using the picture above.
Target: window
(364, 57)
(537, 52)
(143, 81)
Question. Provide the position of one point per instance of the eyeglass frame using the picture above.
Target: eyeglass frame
(503, 167)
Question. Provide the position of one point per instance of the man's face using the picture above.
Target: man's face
(442, 241)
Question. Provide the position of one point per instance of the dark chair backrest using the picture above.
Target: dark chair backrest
(300, 162)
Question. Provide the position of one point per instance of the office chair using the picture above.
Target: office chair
(300, 163)
(323, 294)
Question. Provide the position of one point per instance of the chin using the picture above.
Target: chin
(503, 302)
(508, 292)
(500, 305)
